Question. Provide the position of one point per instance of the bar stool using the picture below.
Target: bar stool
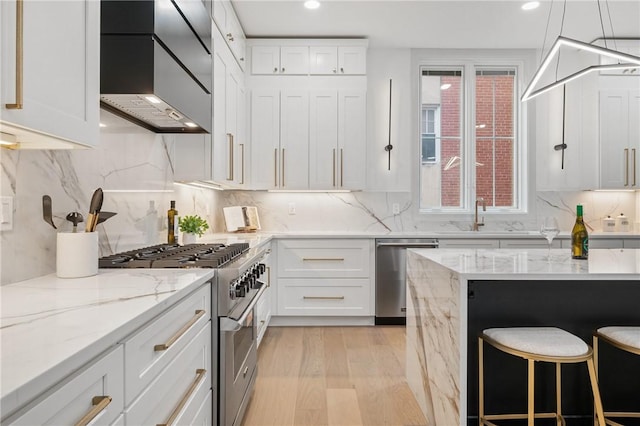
(543, 344)
(623, 338)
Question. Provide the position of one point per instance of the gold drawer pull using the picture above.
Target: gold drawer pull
(626, 167)
(200, 375)
(323, 259)
(164, 346)
(230, 168)
(324, 297)
(99, 404)
(19, 55)
(241, 145)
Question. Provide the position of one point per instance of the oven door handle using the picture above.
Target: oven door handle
(231, 324)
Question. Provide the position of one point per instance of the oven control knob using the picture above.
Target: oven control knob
(262, 268)
(240, 291)
(252, 280)
(232, 292)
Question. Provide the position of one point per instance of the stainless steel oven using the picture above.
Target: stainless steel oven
(239, 289)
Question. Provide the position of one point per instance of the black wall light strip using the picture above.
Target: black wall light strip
(389, 147)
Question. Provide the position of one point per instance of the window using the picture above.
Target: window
(468, 150)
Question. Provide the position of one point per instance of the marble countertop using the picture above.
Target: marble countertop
(536, 263)
(263, 236)
(50, 326)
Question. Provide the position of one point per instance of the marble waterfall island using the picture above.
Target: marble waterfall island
(453, 294)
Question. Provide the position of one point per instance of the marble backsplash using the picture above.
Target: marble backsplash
(134, 169)
(373, 211)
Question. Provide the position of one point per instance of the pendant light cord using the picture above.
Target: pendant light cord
(564, 11)
(546, 30)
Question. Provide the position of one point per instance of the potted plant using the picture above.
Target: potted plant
(191, 228)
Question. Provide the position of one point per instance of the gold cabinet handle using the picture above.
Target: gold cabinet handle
(99, 404)
(19, 55)
(334, 167)
(164, 346)
(341, 167)
(230, 171)
(275, 167)
(341, 70)
(230, 36)
(323, 297)
(626, 167)
(323, 259)
(275, 69)
(282, 165)
(634, 166)
(268, 276)
(200, 375)
(282, 69)
(241, 145)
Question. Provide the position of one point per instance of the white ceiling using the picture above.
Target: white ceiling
(439, 23)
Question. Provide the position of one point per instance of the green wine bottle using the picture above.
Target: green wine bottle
(579, 237)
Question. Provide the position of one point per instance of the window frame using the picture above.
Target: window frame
(468, 134)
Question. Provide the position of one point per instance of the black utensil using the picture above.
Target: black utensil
(75, 218)
(105, 215)
(47, 215)
(94, 210)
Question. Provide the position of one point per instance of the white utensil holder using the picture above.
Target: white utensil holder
(77, 254)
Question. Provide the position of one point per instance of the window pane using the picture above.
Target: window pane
(441, 174)
(494, 144)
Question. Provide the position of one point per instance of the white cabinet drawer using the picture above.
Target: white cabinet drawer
(468, 243)
(346, 258)
(79, 396)
(186, 379)
(323, 297)
(144, 360)
(528, 243)
(632, 243)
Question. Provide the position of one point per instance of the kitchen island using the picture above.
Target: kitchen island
(453, 294)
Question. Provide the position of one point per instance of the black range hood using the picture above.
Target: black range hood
(155, 64)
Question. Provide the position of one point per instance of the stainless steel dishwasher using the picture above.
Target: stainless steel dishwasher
(391, 277)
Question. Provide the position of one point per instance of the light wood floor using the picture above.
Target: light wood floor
(336, 376)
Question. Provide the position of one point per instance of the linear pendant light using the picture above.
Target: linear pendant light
(631, 61)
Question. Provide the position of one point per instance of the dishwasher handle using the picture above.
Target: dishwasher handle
(410, 245)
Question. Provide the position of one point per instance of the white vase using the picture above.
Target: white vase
(189, 238)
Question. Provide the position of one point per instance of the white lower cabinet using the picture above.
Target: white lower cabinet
(159, 374)
(324, 296)
(96, 392)
(324, 278)
(177, 393)
(150, 350)
(632, 243)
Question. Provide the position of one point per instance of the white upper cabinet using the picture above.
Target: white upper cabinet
(285, 60)
(60, 73)
(268, 59)
(352, 60)
(338, 60)
(229, 26)
(337, 139)
(619, 138)
(280, 139)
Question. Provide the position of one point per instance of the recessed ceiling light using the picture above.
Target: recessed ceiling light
(312, 4)
(530, 5)
(103, 125)
(152, 99)
(445, 86)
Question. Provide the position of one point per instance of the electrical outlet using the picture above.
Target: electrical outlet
(6, 213)
(396, 208)
(292, 208)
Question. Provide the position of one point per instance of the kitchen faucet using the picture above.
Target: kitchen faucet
(476, 224)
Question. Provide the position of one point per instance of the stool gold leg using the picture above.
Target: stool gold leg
(558, 394)
(597, 402)
(480, 382)
(595, 362)
(530, 393)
